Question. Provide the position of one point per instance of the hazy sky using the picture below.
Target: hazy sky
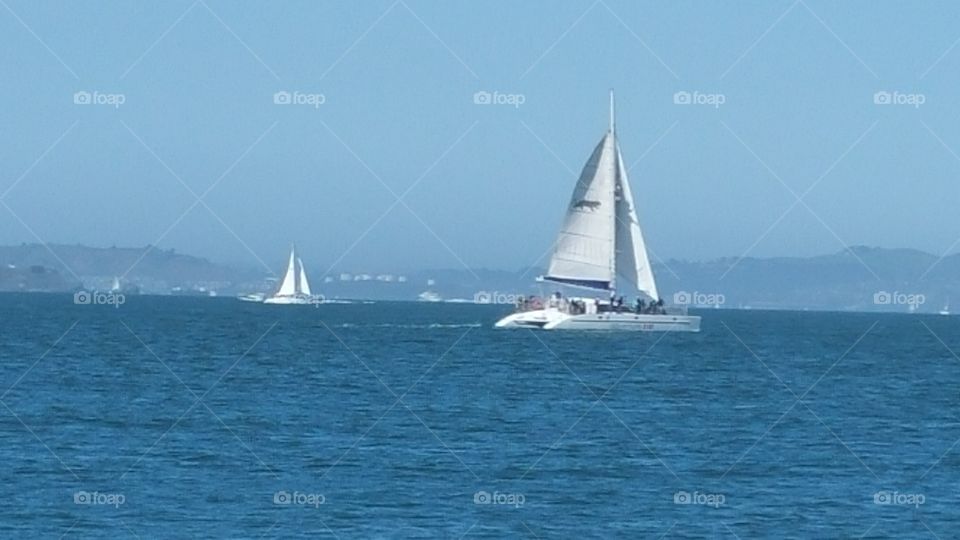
(482, 185)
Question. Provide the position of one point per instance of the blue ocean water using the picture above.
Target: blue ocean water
(194, 418)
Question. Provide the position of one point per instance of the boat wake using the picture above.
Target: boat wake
(408, 325)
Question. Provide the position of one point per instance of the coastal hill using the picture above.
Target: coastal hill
(859, 279)
(60, 268)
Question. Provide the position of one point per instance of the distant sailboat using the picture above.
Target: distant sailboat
(946, 309)
(600, 240)
(294, 288)
(123, 288)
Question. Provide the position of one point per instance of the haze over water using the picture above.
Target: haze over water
(781, 106)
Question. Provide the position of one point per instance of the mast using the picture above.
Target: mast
(612, 114)
(293, 259)
(616, 182)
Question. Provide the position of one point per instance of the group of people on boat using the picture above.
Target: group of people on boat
(577, 306)
(653, 307)
(531, 303)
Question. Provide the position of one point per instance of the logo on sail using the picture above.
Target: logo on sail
(589, 205)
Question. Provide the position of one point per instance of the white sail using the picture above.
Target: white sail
(583, 254)
(304, 285)
(288, 287)
(601, 238)
(632, 262)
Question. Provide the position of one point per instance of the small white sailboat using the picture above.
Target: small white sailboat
(946, 309)
(124, 288)
(294, 288)
(600, 241)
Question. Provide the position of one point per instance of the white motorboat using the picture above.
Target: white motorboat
(429, 296)
(600, 242)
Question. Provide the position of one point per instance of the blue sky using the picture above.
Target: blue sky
(481, 185)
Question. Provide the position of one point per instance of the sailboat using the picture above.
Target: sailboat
(125, 289)
(600, 242)
(294, 288)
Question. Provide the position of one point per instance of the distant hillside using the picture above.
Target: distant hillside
(34, 278)
(149, 269)
(848, 280)
(861, 279)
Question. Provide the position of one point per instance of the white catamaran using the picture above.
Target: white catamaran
(294, 289)
(600, 240)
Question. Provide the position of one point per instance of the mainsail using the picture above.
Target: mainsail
(288, 287)
(304, 286)
(600, 237)
(583, 254)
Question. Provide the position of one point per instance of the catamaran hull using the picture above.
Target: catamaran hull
(279, 300)
(556, 320)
